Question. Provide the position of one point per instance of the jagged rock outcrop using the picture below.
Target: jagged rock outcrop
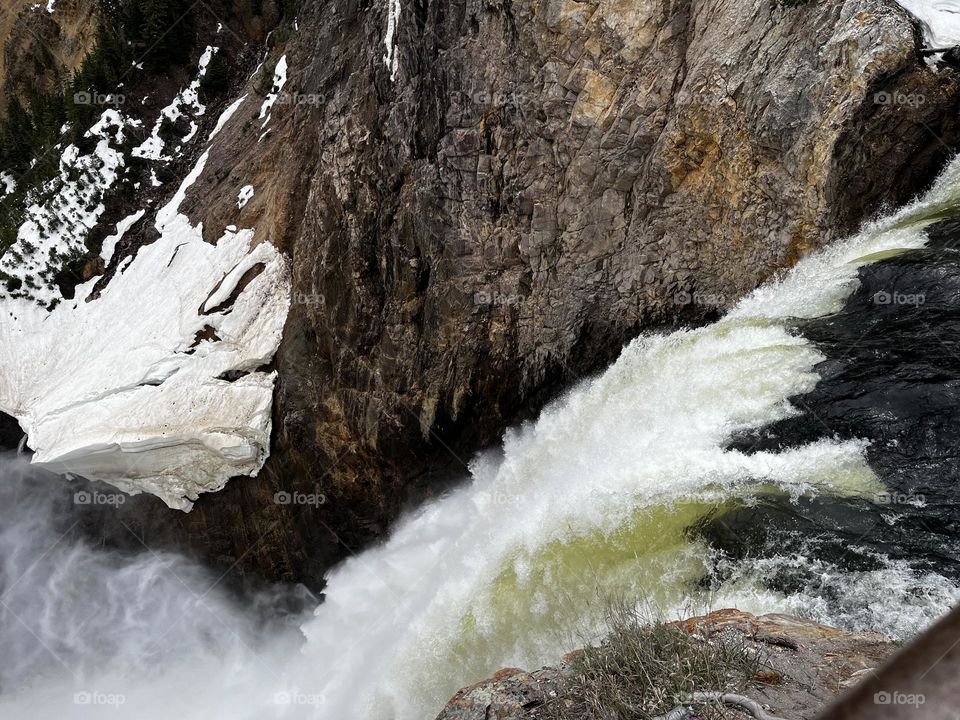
(531, 184)
(805, 666)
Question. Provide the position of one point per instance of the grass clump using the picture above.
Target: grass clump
(643, 670)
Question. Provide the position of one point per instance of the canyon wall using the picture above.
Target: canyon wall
(482, 201)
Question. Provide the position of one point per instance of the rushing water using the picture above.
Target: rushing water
(684, 477)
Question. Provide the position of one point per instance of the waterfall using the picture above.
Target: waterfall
(593, 499)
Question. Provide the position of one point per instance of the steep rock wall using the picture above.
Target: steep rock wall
(542, 180)
(484, 209)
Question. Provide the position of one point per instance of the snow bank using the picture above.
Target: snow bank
(156, 382)
(940, 20)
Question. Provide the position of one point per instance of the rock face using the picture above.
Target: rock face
(525, 186)
(39, 46)
(809, 665)
(542, 180)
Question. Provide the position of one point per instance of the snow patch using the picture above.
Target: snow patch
(390, 57)
(939, 19)
(185, 104)
(246, 192)
(279, 80)
(8, 182)
(225, 117)
(64, 211)
(155, 383)
(110, 242)
(138, 400)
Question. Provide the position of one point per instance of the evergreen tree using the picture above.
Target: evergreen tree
(17, 137)
(164, 26)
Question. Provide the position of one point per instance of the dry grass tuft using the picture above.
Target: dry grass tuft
(644, 670)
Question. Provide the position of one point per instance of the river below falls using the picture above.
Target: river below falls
(796, 456)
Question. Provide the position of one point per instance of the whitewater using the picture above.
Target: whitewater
(510, 569)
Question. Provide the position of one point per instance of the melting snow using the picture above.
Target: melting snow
(110, 242)
(225, 117)
(940, 20)
(155, 383)
(391, 58)
(8, 182)
(128, 388)
(59, 221)
(246, 192)
(185, 104)
(279, 80)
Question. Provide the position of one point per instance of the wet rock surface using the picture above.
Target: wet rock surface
(10, 432)
(891, 377)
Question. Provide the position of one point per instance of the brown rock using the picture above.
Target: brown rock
(542, 181)
(800, 677)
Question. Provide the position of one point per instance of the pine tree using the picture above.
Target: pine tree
(165, 23)
(17, 138)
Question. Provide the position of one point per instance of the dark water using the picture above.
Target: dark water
(892, 376)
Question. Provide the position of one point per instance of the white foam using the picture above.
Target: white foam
(895, 599)
(595, 495)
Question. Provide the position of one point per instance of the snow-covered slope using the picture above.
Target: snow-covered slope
(156, 382)
(66, 210)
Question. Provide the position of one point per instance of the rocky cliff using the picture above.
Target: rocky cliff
(482, 201)
(42, 44)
